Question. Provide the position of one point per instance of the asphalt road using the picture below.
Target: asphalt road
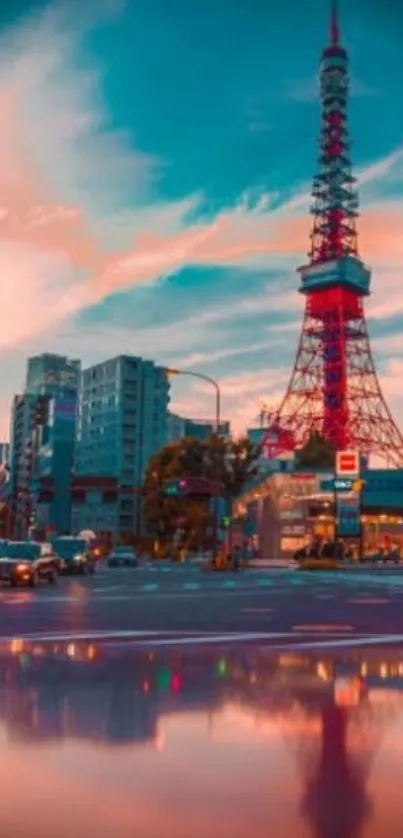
(129, 602)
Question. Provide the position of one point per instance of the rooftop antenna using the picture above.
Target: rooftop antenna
(334, 23)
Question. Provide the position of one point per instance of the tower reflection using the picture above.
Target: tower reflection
(331, 712)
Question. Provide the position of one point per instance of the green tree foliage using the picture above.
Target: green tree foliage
(318, 452)
(229, 463)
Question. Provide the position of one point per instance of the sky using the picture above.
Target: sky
(155, 167)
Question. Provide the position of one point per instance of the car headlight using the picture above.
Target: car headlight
(78, 557)
(22, 567)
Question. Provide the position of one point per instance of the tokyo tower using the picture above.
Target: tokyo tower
(334, 389)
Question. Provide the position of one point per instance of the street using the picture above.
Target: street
(300, 606)
(140, 695)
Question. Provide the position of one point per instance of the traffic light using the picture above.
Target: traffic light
(176, 683)
(176, 488)
(192, 487)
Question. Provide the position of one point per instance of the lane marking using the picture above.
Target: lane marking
(324, 628)
(368, 601)
(264, 582)
(229, 583)
(150, 586)
(212, 639)
(191, 586)
(89, 635)
(161, 636)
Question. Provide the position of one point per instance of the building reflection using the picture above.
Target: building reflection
(331, 712)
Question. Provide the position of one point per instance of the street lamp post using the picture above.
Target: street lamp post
(214, 383)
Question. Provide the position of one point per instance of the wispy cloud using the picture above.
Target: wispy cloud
(62, 171)
(81, 218)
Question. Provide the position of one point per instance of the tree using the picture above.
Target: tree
(228, 463)
(318, 452)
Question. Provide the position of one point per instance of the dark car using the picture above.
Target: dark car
(75, 557)
(122, 557)
(28, 563)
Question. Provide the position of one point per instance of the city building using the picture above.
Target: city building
(256, 435)
(181, 427)
(52, 375)
(4, 452)
(43, 427)
(122, 422)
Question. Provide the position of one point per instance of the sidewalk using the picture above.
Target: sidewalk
(379, 567)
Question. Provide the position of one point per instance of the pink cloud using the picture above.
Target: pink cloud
(59, 255)
(63, 245)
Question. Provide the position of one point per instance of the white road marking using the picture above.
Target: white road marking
(151, 586)
(368, 601)
(191, 586)
(89, 635)
(160, 636)
(189, 638)
(314, 627)
(198, 640)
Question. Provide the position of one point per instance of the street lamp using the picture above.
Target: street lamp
(212, 381)
(173, 372)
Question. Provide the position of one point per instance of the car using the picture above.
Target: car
(122, 557)
(28, 563)
(74, 555)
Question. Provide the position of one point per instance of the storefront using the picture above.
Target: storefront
(288, 510)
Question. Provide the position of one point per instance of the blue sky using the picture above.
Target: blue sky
(155, 169)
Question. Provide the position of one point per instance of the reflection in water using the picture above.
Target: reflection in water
(331, 715)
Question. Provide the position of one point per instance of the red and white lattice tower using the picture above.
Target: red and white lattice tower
(334, 388)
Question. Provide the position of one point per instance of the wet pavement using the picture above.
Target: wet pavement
(188, 600)
(231, 741)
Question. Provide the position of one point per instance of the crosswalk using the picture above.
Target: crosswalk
(125, 585)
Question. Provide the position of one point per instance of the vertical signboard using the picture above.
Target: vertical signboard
(348, 516)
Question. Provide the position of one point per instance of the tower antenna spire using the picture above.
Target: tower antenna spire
(334, 23)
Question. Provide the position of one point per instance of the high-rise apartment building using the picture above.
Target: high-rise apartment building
(122, 422)
(43, 426)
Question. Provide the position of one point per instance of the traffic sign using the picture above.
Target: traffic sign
(338, 484)
(348, 463)
(343, 484)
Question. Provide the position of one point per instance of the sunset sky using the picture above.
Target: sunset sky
(155, 168)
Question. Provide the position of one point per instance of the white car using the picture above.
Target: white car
(123, 557)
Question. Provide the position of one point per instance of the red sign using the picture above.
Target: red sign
(347, 463)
